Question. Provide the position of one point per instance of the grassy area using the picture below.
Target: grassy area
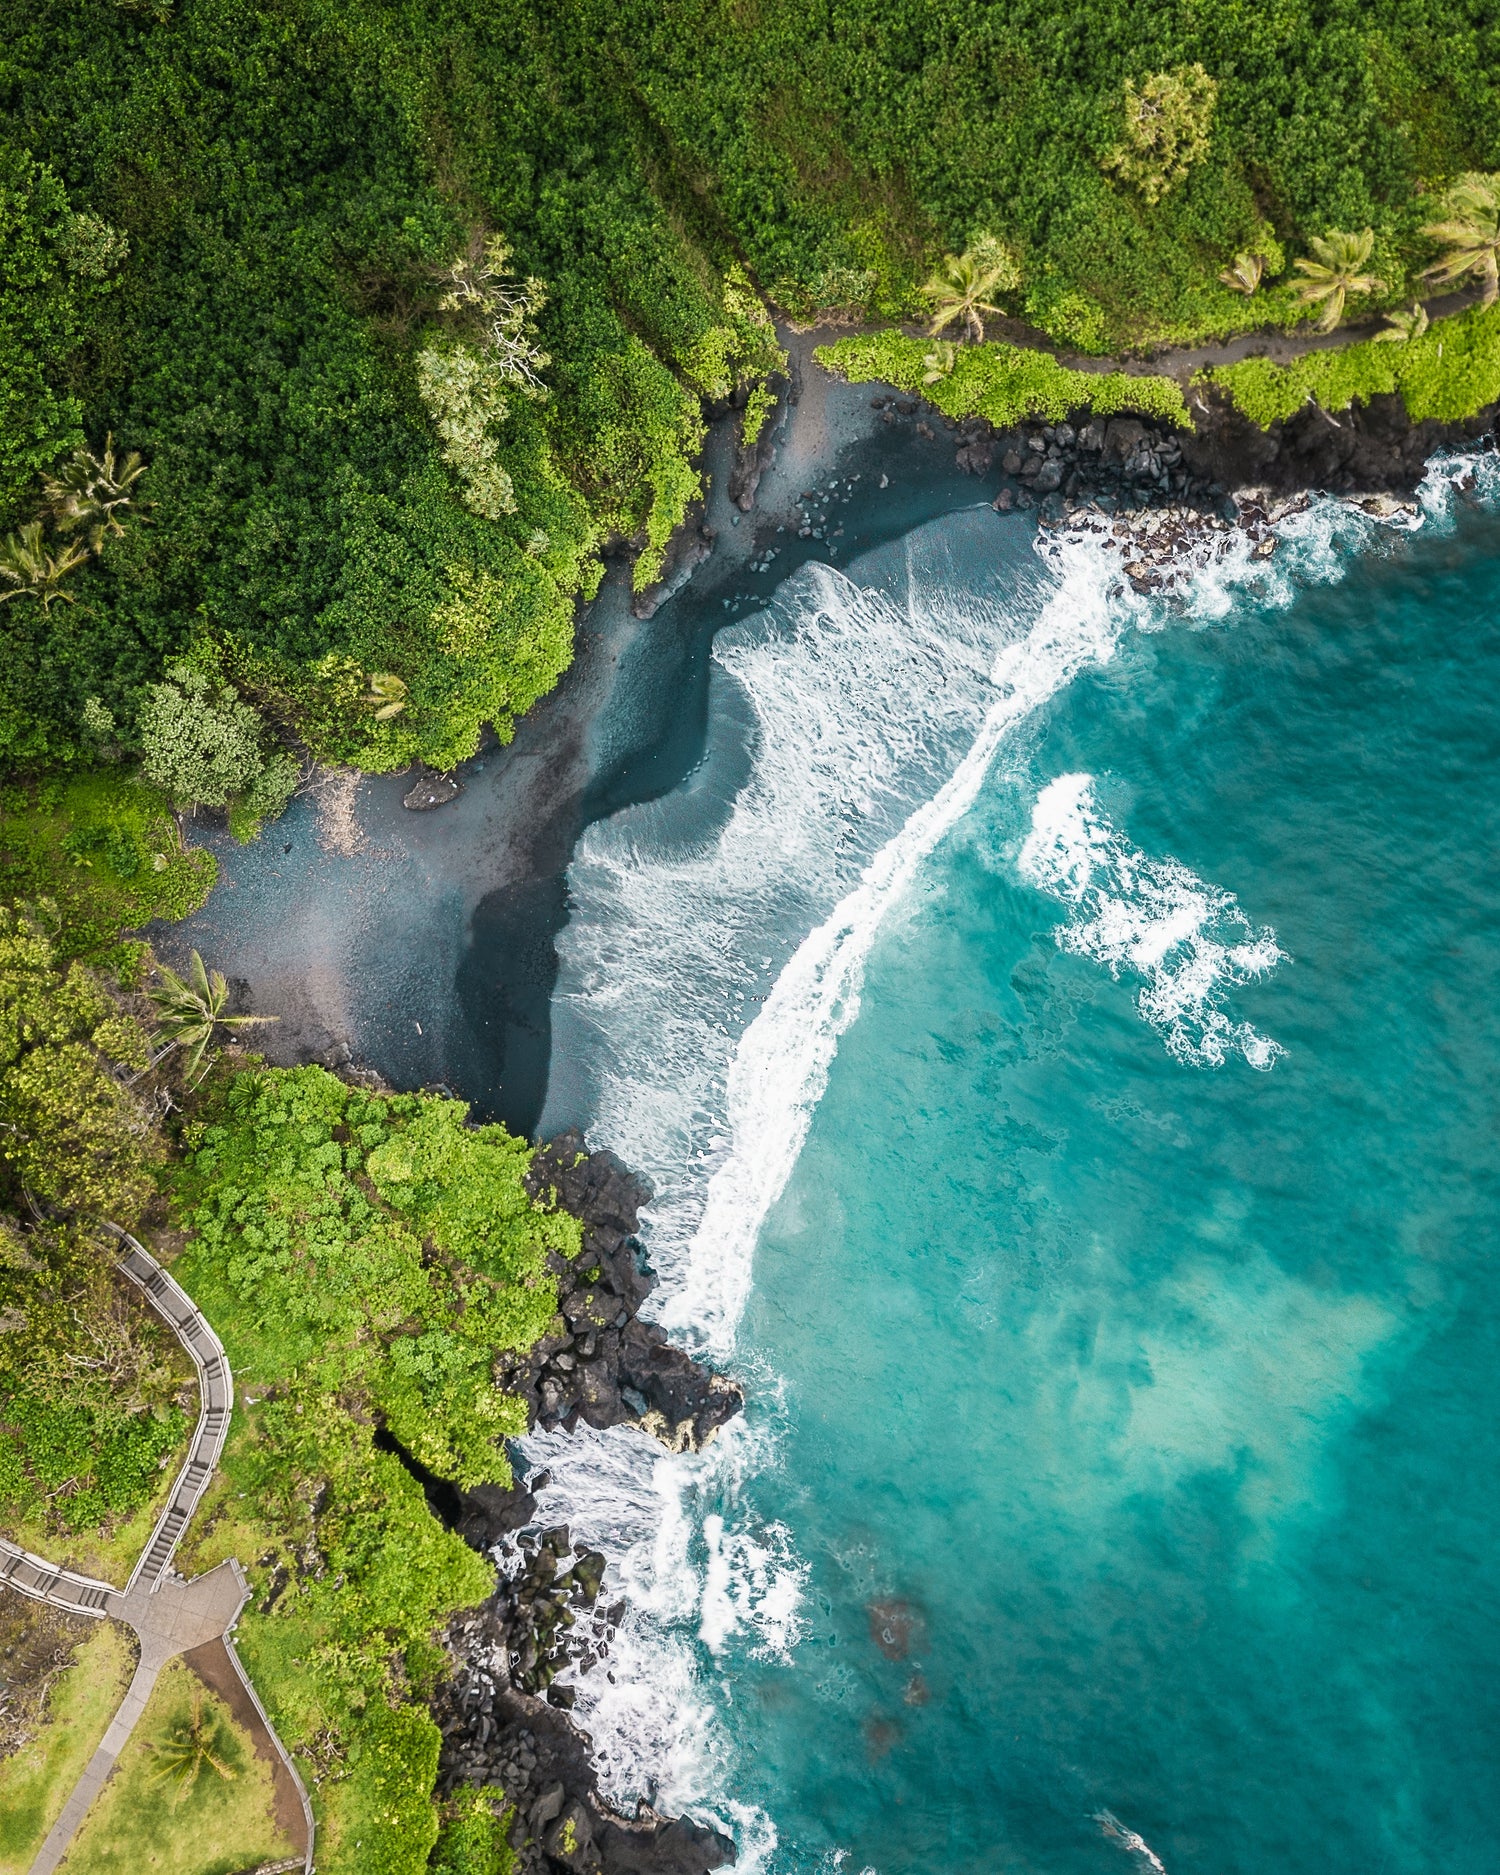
(1004, 383)
(35, 1781)
(1451, 371)
(104, 849)
(109, 1551)
(148, 1822)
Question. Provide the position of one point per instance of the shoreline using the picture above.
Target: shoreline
(593, 746)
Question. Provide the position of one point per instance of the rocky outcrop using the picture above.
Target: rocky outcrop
(431, 790)
(752, 460)
(1368, 449)
(501, 1736)
(503, 1713)
(1133, 461)
(598, 1362)
(690, 545)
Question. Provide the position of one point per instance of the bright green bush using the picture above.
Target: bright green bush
(1451, 371)
(472, 1841)
(1004, 383)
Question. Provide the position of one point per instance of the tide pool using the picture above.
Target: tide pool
(1119, 1482)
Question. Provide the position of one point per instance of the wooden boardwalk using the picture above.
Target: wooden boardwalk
(169, 1615)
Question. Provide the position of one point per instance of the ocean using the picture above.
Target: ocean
(1061, 1028)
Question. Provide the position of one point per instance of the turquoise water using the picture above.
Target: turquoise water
(1063, 1035)
(1151, 1403)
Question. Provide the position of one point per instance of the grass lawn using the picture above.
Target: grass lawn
(147, 1823)
(35, 1782)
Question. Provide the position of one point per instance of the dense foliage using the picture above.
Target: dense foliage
(364, 1258)
(1449, 370)
(848, 141)
(409, 311)
(73, 1136)
(1004, 383)
(236, 228)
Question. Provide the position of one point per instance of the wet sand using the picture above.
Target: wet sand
(423, 944)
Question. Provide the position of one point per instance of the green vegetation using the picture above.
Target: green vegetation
(214, 1817)
(96, 1396)
(35, 1780)
(364, 1258)
(1446, 370)
(95, 853)
(1004, 383)
(472, 1841)
(337, 344)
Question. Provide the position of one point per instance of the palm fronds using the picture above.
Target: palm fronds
(1335, 271)
(190, 1011)
(1470, 230)
(29, 569)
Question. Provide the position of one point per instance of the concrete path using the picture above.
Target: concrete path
(169, 1615)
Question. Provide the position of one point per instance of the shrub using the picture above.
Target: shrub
(1167, 124)
(1004, 383)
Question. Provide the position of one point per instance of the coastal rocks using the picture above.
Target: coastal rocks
(1369, 448)
(498, 1734)
(598, 1362)
(431, 790)
(751, 463)
(503, 1713)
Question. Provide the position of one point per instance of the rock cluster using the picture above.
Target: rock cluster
(502, 1714)
(430, 790)
(497, 1732)
(501, 1737)
(598, 1362)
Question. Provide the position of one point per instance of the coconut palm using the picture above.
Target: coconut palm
(1336, 271)
(28, 568)
(191, 1011)
(1470, 230)
(1244, 273)
(1401, 326)
(91, 491)
(939, 361)
(963, 285)
(388, 692)
(188, 1748)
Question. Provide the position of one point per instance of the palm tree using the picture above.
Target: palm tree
(187, 1748)
(1470, 229)
(389, 692)
(91, 491)
(1337, 271)
(939, 361)
(191, 1011)
(1243, 275)
(962, 286)
(1401, 326)
(27, 568)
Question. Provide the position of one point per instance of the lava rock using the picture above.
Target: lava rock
(431, 790)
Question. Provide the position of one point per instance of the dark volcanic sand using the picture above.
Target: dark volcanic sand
(428, 953)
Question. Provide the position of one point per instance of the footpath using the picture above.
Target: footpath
(170, 1615)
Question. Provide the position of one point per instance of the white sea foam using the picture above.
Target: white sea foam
(1130, 1840)
(1188, 940)
(704, 985)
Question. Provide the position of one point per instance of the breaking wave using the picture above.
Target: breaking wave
(1189, 941)
(715, 954)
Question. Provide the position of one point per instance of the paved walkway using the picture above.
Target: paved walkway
(169, 1615)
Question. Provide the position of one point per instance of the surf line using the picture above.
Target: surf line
(780, 1068)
